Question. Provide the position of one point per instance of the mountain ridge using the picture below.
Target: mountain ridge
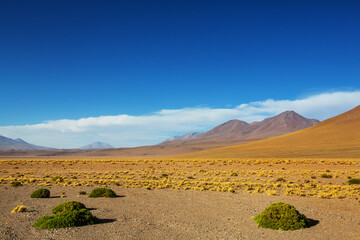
(187, 136)
(233, 132)
(97, 145)
(7, 144)
(237, 130)
(335, 137)
(230, 133)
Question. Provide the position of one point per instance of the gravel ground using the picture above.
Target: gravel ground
(169, 214)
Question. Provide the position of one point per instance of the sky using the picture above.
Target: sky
(132, 73)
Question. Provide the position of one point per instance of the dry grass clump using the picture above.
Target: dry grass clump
(281, 216)
(16, 184)
(19, 208)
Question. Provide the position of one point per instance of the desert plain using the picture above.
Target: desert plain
(175, 198)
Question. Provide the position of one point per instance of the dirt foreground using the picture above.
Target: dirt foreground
(169, 214)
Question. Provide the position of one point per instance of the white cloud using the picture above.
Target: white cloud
(128, 131)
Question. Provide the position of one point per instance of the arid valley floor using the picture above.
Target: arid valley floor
(183, 198)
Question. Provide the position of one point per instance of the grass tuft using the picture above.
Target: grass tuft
(16, 184)
(19, 208)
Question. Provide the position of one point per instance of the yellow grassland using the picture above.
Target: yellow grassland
(274, 176)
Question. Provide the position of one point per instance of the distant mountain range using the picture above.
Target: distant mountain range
(97, 145)
(184, 137)
(237, 130)
(18, 144)
(230, 133)
(335, 137)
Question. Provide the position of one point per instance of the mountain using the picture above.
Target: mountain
(283, 123)
(225, 131)
(335, 137)
(236, 130)
(97, 145)
(17, 144)
(184, 137)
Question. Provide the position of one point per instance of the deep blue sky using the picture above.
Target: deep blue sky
(73, 59)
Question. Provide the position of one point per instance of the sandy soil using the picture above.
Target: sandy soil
(168, 214)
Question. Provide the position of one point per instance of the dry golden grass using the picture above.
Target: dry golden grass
(19, 208)
(273, 176)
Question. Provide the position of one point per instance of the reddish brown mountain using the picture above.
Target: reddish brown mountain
(283, 123)
(236, 130)
(226, 130)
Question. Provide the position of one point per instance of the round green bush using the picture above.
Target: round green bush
(354, 181)
(67, 206)
(281, 216)
(72, 218)
(102, 192)
(40, 193)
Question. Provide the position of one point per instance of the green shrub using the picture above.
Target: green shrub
(40, 193)
(102, 192)
(281, 216)
(354, 181)
(82, 192)
(67, 214)
(73, 218)
(67, 206)
(16, 184)
(326, 175)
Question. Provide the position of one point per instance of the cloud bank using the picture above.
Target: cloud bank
(129, 131)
